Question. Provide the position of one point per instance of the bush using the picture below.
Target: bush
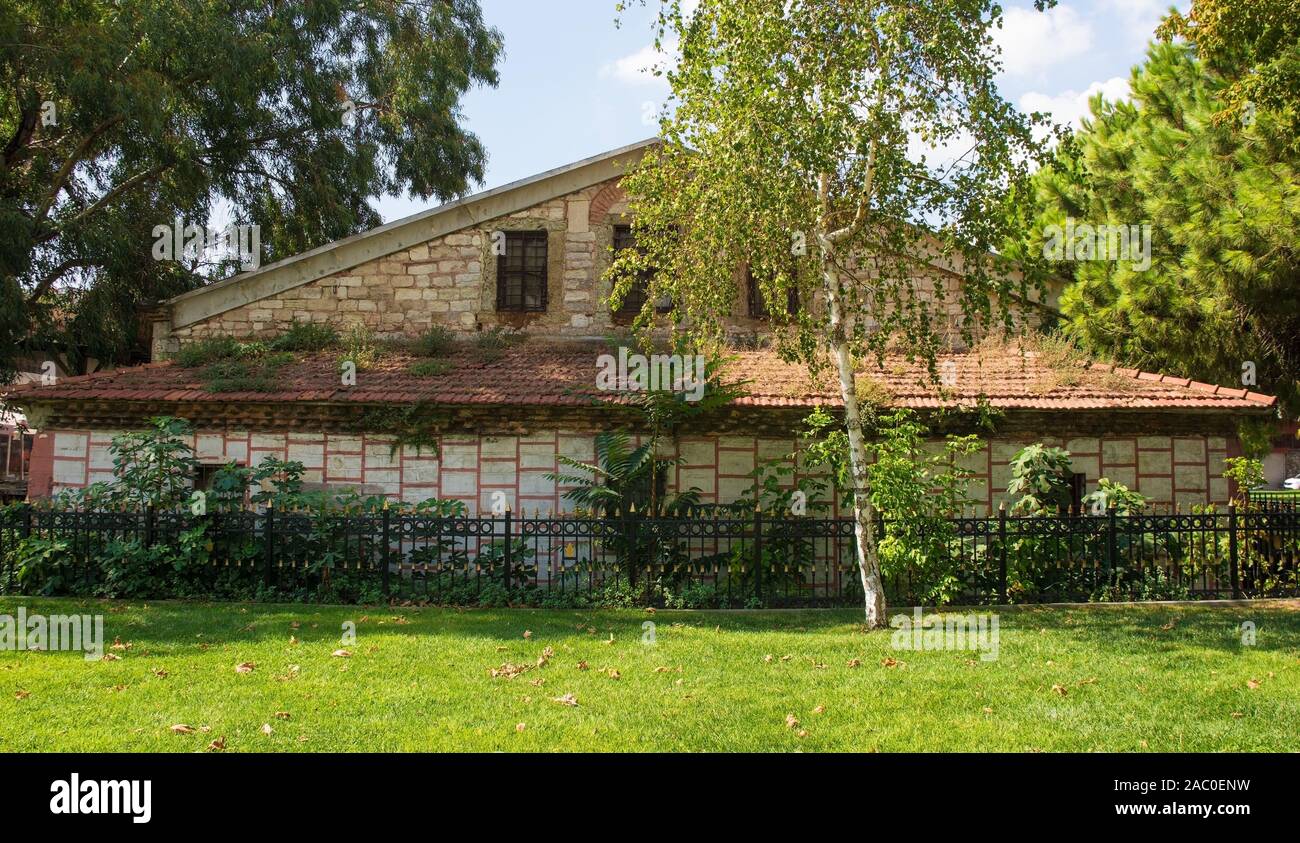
(1040, 480)
(430, 368)
(211, 350)
(359, 347)
(239, 376)
(306, 336)
(492, 344)
(435, 342)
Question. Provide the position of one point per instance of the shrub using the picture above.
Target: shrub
(917, 493)
(203, 352)
(359, 347)
(1117, 496)
(306, 336)
(1040, 480)
(435, 342)
(492, 343)
(239, 376)
(1247, 473)
(430, 368)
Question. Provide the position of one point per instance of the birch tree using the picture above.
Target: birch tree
(838, 151)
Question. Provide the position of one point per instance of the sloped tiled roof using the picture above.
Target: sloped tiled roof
(537, 373)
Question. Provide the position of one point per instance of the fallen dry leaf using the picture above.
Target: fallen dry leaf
(519, 727)
(160, 673)
(118, 645)
(245, 667)
(567, 699)
(112, 657)
(854, 663)
(1060, 689)
(1237, 715)
(183, 729)
(662, 669)
(1253, 684)
(342, 654)
(786, 658)
(803, 733)
(218, 744)
(988, 710)
(767, 659)
(614, 674)
(821, 709)
(282, 715)
(508, 670)
(889, 661)
(1169, 626)
(20, 694)
(791, 721)
(528, 633)
(266, 729)
(582, 665)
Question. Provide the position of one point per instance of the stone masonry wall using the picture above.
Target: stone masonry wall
(451, 281)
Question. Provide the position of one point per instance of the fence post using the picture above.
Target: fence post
(758, 553)
(385, 549)
(629, 529)
(1112, 525)
(268, 534)
(149, 525)
(508, 554)
(27, 521)
(1002, 555)
(1232, 550)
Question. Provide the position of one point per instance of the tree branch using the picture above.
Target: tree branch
(55, 274)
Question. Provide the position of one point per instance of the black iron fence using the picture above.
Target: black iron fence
(712, 558)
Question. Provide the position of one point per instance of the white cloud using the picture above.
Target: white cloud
(1032, 41)
(1135, 21)
(636, 68)
(1070, 107)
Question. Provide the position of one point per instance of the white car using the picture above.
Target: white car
(1292, 483)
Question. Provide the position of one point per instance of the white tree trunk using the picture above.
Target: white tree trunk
(873, 590)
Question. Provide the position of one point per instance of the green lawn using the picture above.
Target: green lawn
(1174, 678)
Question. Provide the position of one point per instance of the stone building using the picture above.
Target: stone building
(500, 423)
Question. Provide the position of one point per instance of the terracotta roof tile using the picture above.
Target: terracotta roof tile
(539, 373)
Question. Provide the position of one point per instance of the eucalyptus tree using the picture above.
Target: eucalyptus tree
(120, 115)
(840, 151)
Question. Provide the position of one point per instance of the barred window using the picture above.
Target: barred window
(521, 272)
(758, 307)
(636, 296)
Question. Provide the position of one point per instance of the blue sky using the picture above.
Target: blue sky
(571, 84)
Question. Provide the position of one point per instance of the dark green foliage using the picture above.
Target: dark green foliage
(306, 336)
(210, 350)
(1040, 480)
(116, 118)
(1220, 300)
(490, 345)
(435, 342)
(430, 368)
